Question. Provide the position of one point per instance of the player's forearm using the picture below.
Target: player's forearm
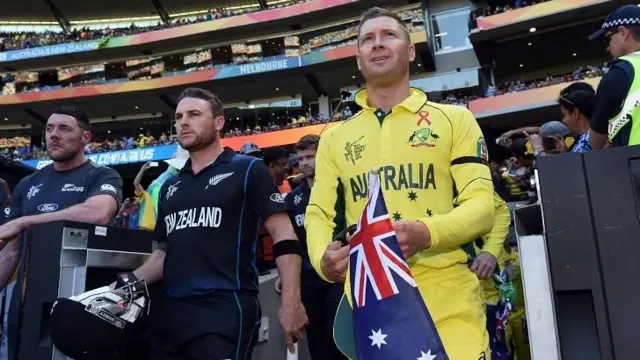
(464, 223)
(84, 213)
(494, 241)
(319, 235)
(152, 269)
(289, 270)
(9, 259)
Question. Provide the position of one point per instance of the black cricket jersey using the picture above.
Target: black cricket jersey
(297, 201)
(4, 200)
(209, 223)
(48, 190)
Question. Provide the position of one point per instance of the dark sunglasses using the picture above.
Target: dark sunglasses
(607, 37)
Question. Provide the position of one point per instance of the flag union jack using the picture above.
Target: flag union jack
(375, 261)
(390, 318)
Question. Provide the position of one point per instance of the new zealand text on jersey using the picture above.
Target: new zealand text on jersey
(204, 217)
(400, 177)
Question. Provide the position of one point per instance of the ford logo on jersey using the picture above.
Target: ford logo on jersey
(47, 207)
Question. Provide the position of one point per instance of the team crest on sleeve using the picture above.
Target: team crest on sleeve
(482, 150)
(108, 187)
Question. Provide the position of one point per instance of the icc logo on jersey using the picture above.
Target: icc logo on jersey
(172, 190)
(33, 191)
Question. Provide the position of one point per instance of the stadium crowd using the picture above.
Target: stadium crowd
(24, 40)
(18, 148)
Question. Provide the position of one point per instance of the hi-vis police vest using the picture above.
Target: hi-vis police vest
(630, 112)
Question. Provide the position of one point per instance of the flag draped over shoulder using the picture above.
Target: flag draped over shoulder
(390, 318)
(149, 201)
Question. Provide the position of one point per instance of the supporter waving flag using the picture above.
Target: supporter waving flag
(390, 319)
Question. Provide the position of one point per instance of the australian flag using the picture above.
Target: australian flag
(390, 319)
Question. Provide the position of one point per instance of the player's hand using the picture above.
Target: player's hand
(335, 261)
(278, 286)
(413, 236)
(293, 319)
(484, 265)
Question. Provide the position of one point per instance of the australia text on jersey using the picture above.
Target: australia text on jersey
(396, 177)
(203, 217)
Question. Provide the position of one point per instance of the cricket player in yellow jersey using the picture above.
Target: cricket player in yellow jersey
(432, 162)
(488, 254)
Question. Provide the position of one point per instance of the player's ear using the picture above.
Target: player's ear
(218, 123)
(358, 61)
(86, 137)
(412, 52)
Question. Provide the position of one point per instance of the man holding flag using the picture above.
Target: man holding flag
(431, 161)
(149, 198)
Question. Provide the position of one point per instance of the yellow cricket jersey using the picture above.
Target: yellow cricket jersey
(431, 159)
(494, 244)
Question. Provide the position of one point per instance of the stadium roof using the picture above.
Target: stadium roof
(78, 10)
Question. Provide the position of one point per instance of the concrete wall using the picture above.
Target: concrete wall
(463, 59)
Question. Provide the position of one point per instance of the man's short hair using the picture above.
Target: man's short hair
(217, 109)
(307, 142)
(272, 155)
(376, 12)
(80, 116)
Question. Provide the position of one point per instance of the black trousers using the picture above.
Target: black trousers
(321, 300)
(213, 327)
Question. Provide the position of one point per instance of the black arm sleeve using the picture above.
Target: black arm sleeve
(262, 192)
(106, 181)
(611, 94)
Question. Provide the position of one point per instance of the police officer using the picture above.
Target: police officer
(320, 298)
(208, 218)
(616, 111)
(70, 188)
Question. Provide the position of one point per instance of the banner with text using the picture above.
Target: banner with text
(121, 157)
(266, 65)
(165, 152)
(51, 50)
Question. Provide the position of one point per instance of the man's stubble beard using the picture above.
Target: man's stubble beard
(64, 156)
(201, 142)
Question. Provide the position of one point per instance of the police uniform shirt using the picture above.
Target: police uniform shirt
(611, 94)
(297, 202)
(49, 190)
(209, 224)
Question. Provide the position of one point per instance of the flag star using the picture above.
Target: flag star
(397, 216)
(429, 213)
(377, 338)
(412, 195)
(426, 356)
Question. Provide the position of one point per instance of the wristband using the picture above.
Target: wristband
(342, 235)
(286, 247)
